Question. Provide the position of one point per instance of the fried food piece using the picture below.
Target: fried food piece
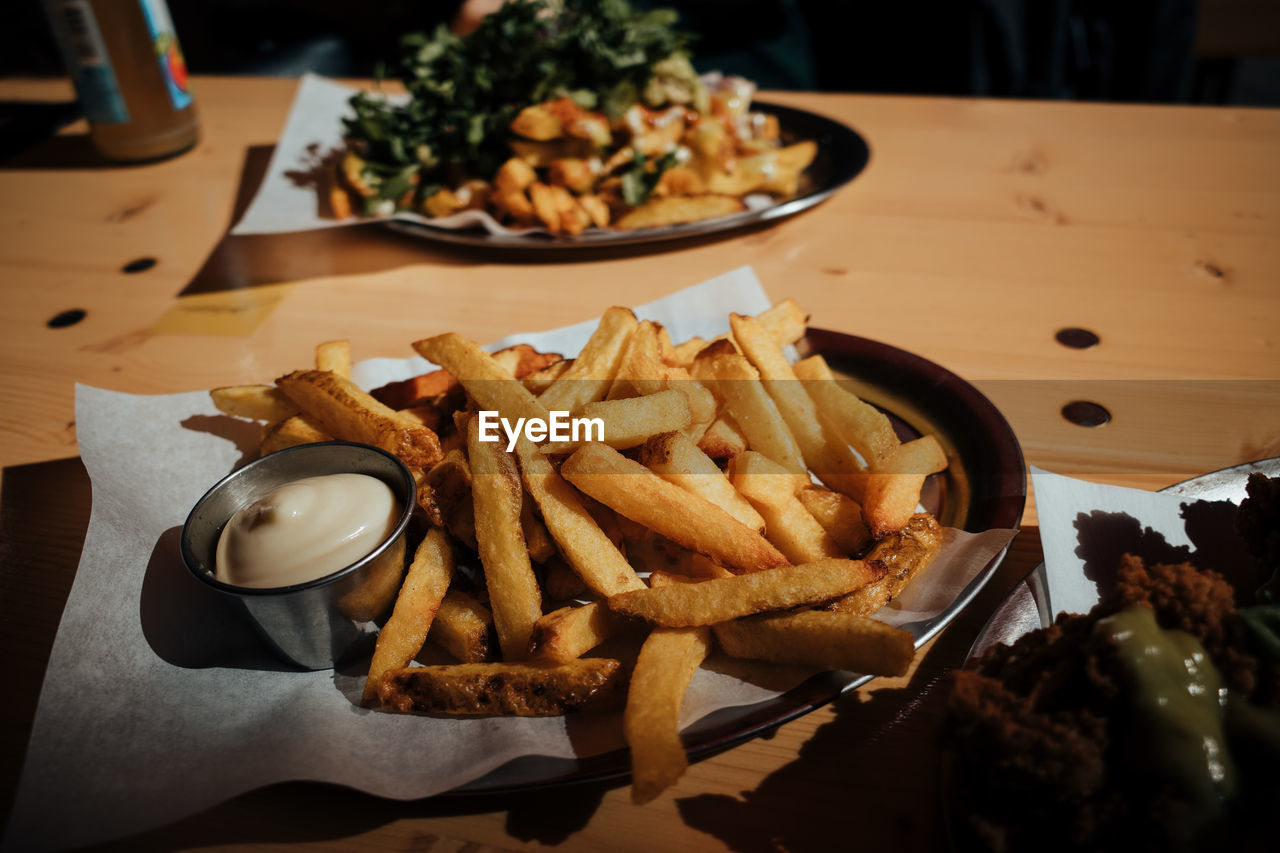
(839, 515)
(651, 721)
(674, 457)
(859, 423)
(496, 493)
(292, 431)
(674, 210)
(350, 414)
(424, 586)
(570, 632)
(722, 599)
(820, 639)
(593, 555)
(746, 400)
(256, 402)
(463, 627)
(825, 453)
(903, 555)
(507, 689)
(771, 489)
(642, 496)
(630, 422)
(589, 377)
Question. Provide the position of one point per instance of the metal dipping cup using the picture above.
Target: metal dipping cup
(320, 623)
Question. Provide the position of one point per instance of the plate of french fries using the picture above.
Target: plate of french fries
(759, 497)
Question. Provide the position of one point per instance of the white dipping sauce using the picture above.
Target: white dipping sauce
(305, 530)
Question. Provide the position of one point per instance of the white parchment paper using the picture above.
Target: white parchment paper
(1085, 527)
(159, 702)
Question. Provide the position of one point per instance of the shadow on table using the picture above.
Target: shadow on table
(44, 514)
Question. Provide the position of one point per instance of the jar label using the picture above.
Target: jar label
(86, 57)
(164, 41)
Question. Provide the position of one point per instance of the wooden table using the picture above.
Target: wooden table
(979, 230)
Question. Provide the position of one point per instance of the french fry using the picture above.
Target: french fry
(819, 639)
(581, 541)
(839, 515)
(540, 380)
(651, 721)
(537, 538)
(674, 210)
(445, 491)
(496, 493)
(463, 627)
(785, 322)
(335, 357)
(630, 422)
(828, 456)
(510, 689)
(722, 440)
(722, 599)
(589, 377)
(892, 492)
(424, 586)
(350, 414)
(903, 555)
(859, 423)
(570, 632)
(292, 431)
(749, 403)
(486, 381)
(788, 525)
(683, 517)
(256, 402)
(674, 457)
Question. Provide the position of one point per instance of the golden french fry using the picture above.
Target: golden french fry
(651, 721)
(445, 496)
(889, 501)
(335, 357)
(819, 639)
(722, 440)
(839, 515)
(903, 555)
(292, 431)
(683, 517)
(402, 636)
(786, 322)
(581, 541)
(722, 599)
(540, 380)
(788, 525)
(674, 457)
(463, 627)
(511, 689)
(496, 493)
(629, 422)
(674, 210)
(749, 403)
(256, 402)
(570, 632)
(589, 377)
(826, 454)
(859, 423)
(488, 383)
(349, 413)
(536, 536)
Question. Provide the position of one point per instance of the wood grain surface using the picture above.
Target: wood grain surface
(978, 231)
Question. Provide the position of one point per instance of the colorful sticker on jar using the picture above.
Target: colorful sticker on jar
(87, 61)
(164, 41)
